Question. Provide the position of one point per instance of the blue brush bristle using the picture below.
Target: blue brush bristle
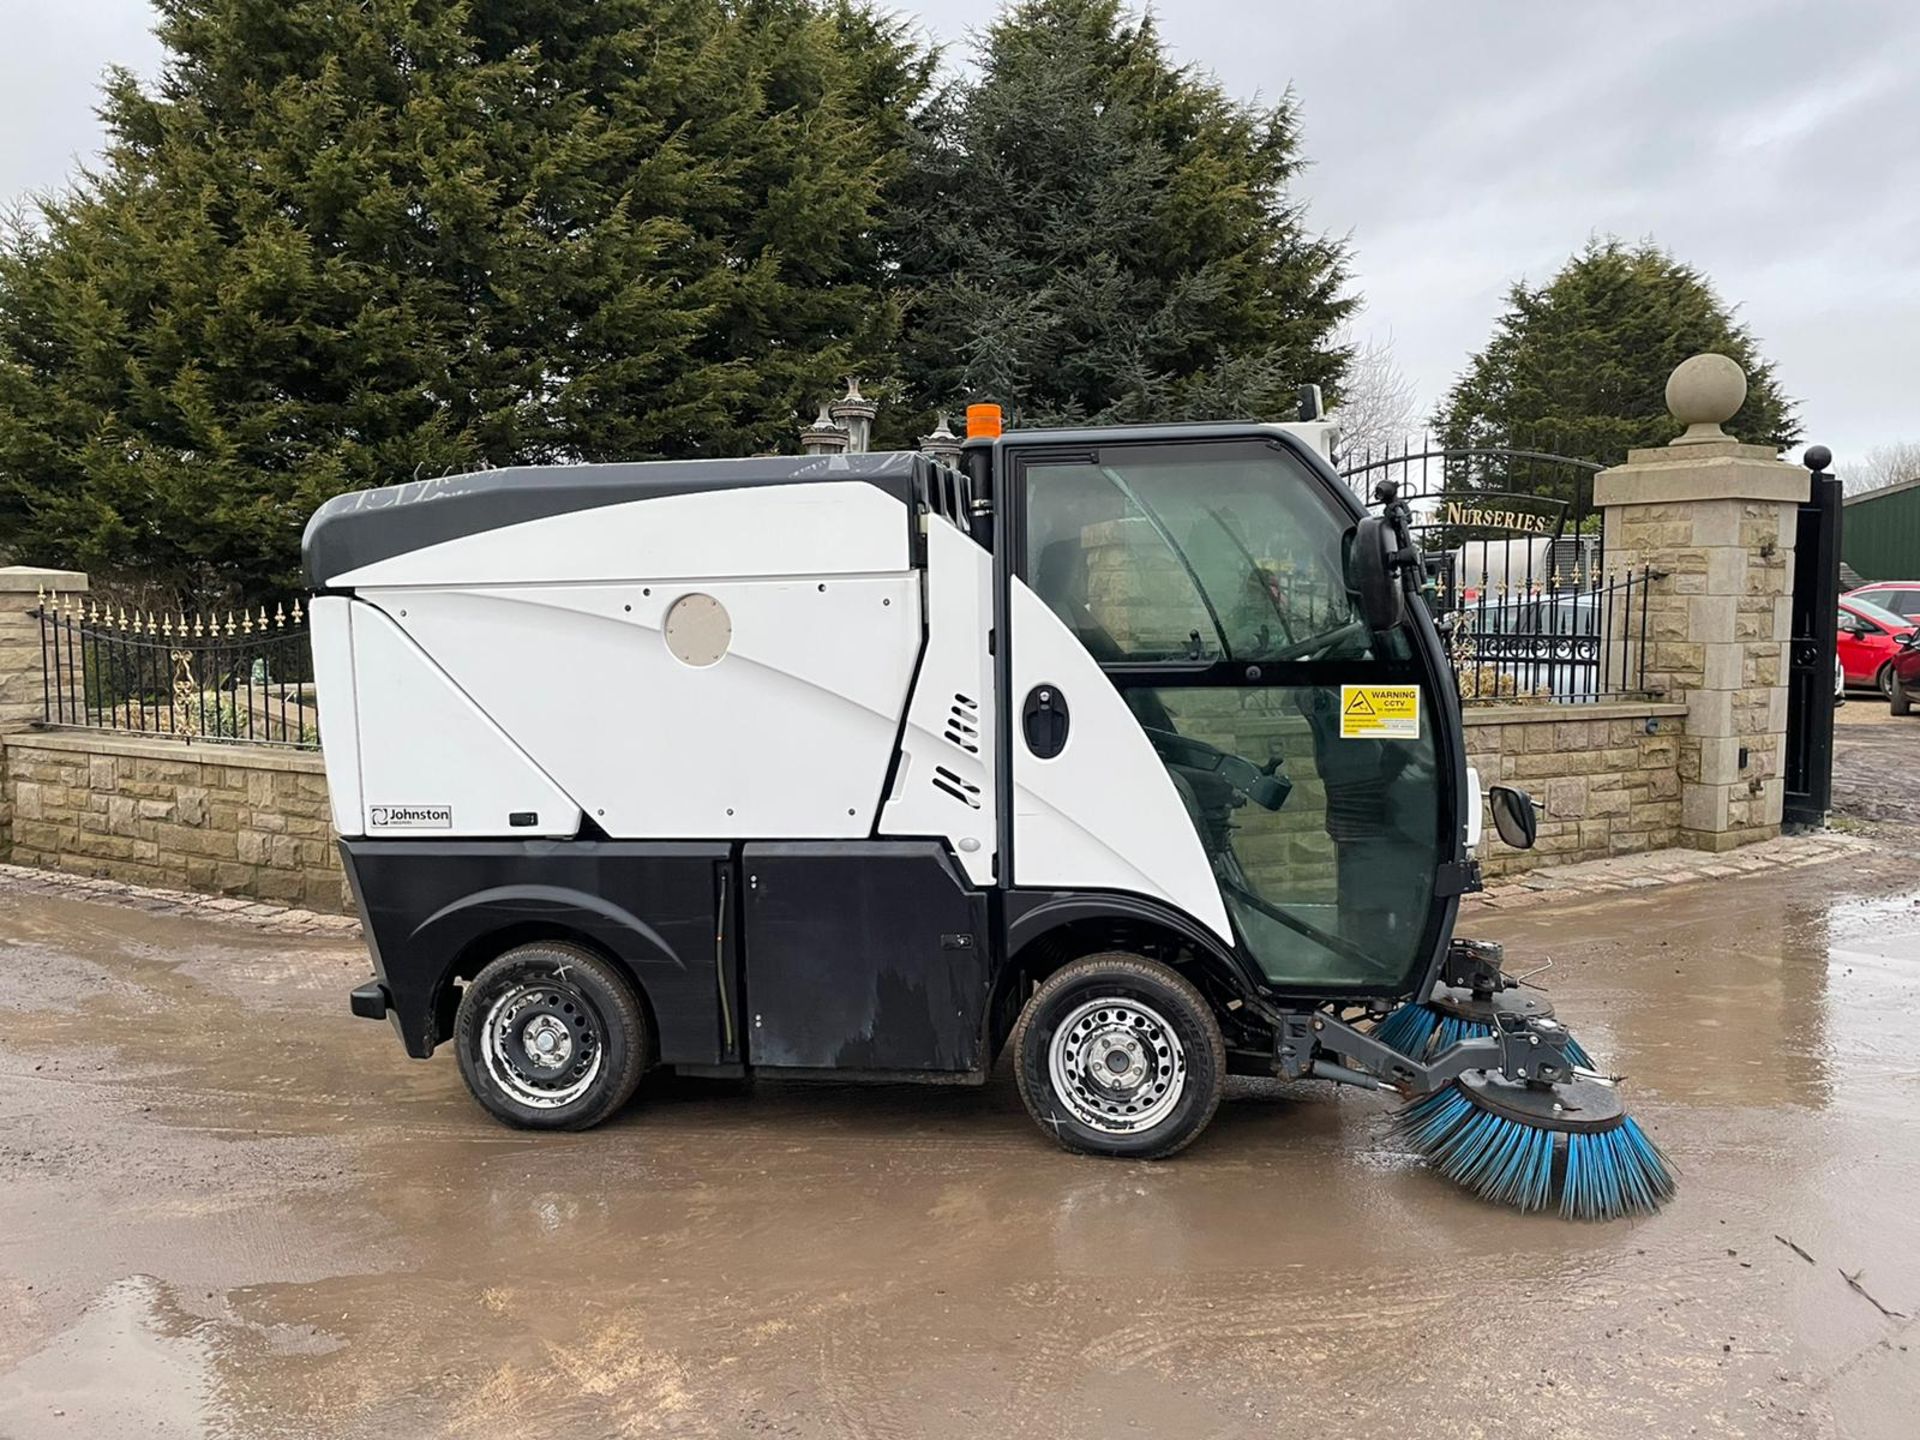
(1593, 1176)
(1421, 1032)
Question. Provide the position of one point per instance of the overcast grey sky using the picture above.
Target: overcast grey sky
(1775, 144)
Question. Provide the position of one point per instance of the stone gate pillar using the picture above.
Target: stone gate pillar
(22, 692)
(1718, 517)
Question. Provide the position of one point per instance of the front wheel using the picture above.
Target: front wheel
(551, 1037)
(1886, 681)
(1119, 1055)
(1900, 698)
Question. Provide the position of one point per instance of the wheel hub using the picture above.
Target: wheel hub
(546, 1042)
(1117, 1065)
(541, 1044)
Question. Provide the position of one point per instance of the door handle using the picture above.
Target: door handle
(1044, 720)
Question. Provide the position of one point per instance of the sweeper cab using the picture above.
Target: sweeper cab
(1133, 751)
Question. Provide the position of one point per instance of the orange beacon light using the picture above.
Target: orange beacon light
(983, 422)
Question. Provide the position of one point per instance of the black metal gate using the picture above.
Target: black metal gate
(1810, 679)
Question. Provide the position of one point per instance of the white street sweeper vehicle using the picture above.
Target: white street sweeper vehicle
(1133, 751)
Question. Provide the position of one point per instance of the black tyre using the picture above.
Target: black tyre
(552, 1037)
(1885, 680)
(1900, 698)
(1119, 1055)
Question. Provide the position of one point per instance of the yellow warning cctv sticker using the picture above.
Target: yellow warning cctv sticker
(1379, 712)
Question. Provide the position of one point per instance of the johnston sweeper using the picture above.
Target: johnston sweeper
(1133, 751)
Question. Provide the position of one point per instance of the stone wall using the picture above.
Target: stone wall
(239, 820)
(1607, 775)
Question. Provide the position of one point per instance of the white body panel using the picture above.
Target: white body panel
(788, 735)
(330, 621)
(1103, 813)
(944, 782)
(431, 763)
(826, 528)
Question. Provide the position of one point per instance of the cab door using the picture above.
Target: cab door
(1198, 713)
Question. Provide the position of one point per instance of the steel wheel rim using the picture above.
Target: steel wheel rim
(542, 1044)
(1117, 1065)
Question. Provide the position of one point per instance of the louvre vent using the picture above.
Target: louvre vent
(945, 781)
(963, 725)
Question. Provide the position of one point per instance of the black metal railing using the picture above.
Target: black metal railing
(1517, 565)
(246, 677)
(1575, 639)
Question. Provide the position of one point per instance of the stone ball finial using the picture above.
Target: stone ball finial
(1817, 458)
(1704, 392)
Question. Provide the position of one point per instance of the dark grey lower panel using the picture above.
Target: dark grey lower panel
(437, 909)
(864, 955)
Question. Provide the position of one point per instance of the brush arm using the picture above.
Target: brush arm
(1525, 1049)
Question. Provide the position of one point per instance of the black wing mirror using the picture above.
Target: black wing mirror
(1513, 816)
(1371, 573)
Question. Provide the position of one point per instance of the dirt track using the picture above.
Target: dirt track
(1876, 765)
(226, 1208)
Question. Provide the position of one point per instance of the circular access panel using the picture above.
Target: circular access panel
(698, 630)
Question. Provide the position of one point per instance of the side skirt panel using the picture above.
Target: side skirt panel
(869, 956)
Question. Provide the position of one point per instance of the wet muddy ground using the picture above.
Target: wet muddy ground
(1876, 767)
(228, 1209)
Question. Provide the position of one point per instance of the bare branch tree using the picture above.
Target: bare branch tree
(1883, 465)
(1378, 403)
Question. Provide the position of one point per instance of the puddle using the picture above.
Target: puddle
(132, 1365)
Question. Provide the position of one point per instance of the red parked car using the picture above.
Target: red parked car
(1870, 638)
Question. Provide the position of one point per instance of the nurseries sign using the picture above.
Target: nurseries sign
(1486, 517)
(1379, 712)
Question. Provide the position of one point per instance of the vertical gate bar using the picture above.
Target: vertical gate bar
(46, 678)
(50, 645)
(1646, 589)
(74, 712)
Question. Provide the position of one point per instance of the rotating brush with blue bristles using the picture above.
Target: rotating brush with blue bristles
(1569, 1146)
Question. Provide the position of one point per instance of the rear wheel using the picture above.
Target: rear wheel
(551, 1037)
(1885, 680)
(1119, 1055)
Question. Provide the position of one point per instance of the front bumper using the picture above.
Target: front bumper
(371, 1001)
